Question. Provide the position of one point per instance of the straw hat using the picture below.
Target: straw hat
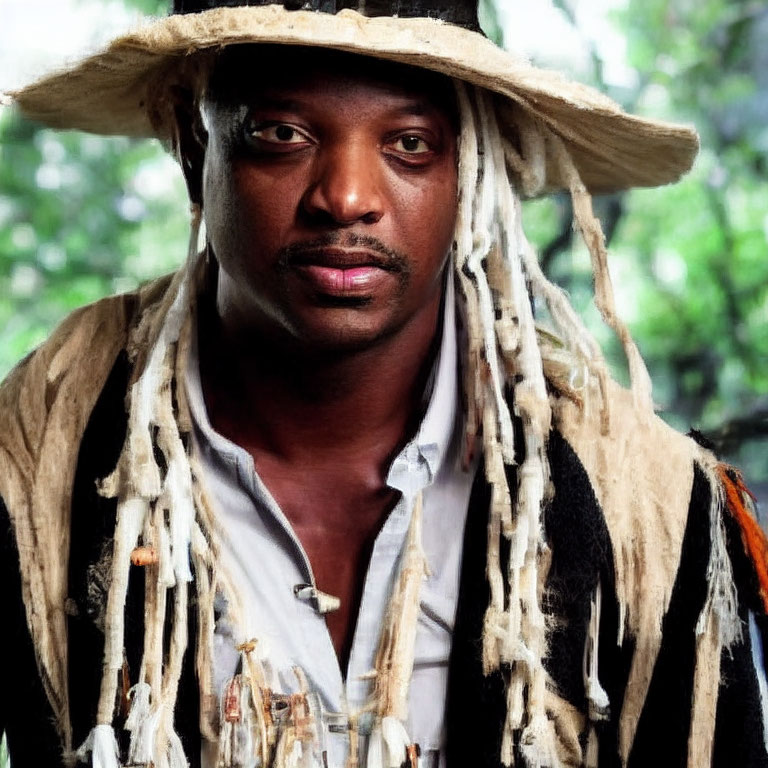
(117, 91)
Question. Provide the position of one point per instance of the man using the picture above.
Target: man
(327, 497)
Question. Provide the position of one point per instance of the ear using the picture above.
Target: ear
(189, 142)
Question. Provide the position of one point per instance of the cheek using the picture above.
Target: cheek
(264, 203)
(446, 210)
(245, 216)
(220, 203)
(431, 215)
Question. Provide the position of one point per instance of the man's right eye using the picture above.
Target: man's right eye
(266, 135)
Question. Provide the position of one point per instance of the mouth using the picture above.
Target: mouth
(335, 271)
(342, 258)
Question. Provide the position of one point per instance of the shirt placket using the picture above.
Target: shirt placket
(312, 631)
(409, 474)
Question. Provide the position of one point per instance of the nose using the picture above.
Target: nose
(347, 187)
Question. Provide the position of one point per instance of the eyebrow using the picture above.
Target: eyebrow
(276, 102)
(416, 108)
(411, 107)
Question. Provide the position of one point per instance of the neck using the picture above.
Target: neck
(268, 397)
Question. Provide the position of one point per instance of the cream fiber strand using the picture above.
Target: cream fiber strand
(722, 602)
(144, 715)
(525, 642)
(513, 634)
(568, 323)
(579, 342)
(530, 164)
(204, 559)
(254, 737)
(261, 732)
(597, 698)
(475, 367)
(159, 742)
(137, 485)
(168, 751)
(530, 168)
(143, 719)
(101, 744)
(596, 695)
(718, 626)
(296, 746)
(204, 553)
(236, 744)
(130, 521)
(177, 502)
(482, 315)
(257, 725)
(470, 179)
(592, 233)
(142, 722)
(394, 659)
(482, 218)
(483, 406)
(242, 738)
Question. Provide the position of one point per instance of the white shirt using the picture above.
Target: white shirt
(266, 563)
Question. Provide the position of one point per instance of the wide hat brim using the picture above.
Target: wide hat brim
(111, 92)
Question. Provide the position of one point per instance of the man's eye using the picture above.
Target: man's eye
(280, 133)
(411, 145)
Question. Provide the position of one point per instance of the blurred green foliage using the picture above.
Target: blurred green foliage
(489, 20)
(82, 216)
(689, 261)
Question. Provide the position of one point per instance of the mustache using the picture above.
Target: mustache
(382, 255)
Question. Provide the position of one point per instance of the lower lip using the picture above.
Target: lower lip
(343, 282)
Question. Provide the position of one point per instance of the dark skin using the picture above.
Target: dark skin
(329, 197)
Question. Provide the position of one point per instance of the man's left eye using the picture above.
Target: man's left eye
(411, 145)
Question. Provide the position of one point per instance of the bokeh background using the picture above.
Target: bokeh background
(83, 216)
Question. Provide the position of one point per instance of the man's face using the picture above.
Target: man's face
(329, 193)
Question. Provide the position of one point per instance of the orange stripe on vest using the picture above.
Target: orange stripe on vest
(752, 536)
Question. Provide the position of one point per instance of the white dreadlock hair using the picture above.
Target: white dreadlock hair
(165, 510)
(499, 275)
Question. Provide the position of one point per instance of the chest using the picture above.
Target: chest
(336, 512)
(271, 547)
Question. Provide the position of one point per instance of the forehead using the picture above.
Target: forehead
(242, 73)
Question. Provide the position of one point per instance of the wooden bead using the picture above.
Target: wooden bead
(143, 556)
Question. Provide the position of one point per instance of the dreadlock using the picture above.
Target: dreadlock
(499, 276)
(509, 370)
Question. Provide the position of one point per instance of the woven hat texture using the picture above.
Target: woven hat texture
(116, 91)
